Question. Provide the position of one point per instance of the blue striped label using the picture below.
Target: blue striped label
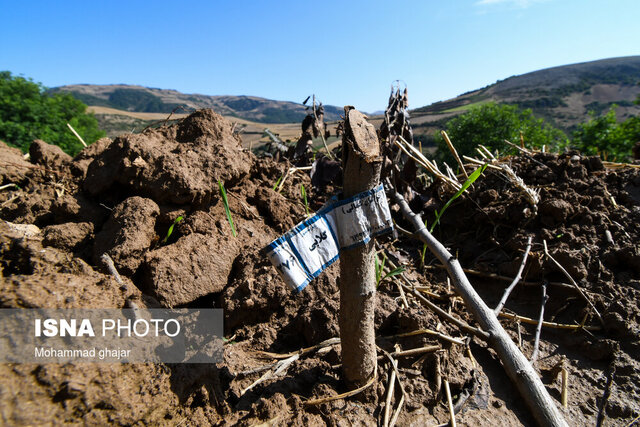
(315, 243)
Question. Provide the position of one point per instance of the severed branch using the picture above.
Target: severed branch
(459, 323)
(516, 365)
(454, 152)
(393, 375)
(546, 324)
(536, 344)
(565, 385)
(108, 262)
(503, 278)
(344, 395)
(280, 366)
(452, 415)
(517, 279)
(573, 282)
(77, 135)
(409, 287)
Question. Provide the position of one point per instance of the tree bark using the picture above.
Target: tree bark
(531, 388)
(362, 164)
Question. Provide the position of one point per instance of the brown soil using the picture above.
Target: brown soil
(120, 197)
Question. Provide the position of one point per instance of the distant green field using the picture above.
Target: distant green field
(467, 106)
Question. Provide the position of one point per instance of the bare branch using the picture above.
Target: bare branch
(513, 284)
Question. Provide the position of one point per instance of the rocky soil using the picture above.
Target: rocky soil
(120, 197)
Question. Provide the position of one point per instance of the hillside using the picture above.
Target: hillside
(561, 95)
(153, 100)
(117, 122)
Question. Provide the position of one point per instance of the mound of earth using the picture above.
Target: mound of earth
(120, 197)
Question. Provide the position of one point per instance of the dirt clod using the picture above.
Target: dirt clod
(121, 197)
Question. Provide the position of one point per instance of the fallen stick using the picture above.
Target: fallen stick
(459, 323)
(77, 135)
(480, 162)
(416, 155)
(426, 291)
(573, 282)
(415, 351)
(504, 278)
(343, 395)
(516, 280)
(428, 332)
(452, 415)
(291, 171)
(536, 344)
(516, 365)
(390, 387)
(325, 343)
(633, 421)
(549, 324)
(454, 152)
(280, 367)
(4, 187)
(108, 262)
(394, 366)
(565, 385)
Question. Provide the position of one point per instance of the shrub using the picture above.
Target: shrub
(606, 137)
(27, 112)
(490, 124)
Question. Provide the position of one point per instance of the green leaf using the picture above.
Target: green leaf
(303, 192)
(170, 230)
(225, 202)
(396, 271)
(472, 178)
(278, 182)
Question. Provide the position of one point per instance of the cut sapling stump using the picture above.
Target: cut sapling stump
(362, 164)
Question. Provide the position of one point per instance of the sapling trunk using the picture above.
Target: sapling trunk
(362, 164)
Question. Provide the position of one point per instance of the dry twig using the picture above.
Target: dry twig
(77, 135)
(344, 395)
(503, 278)
(518, 368)
(452, 415)
(280, 366)
(454, 152)
(536, 344)
(573, 282)
(517, 279)
(428, 332)
(546, 324)
(565, 385)
(108, 262)
(325, 343)
(394, 365)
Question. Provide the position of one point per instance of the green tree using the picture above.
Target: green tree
(28, 112)
(490, 124)
(606, 137)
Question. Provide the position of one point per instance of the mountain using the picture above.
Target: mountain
(152, 100)
(563, 95)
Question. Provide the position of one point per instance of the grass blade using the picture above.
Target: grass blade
(226, 208)
(472, 178)
(275, 187)
(396, 271)
(303, 192)
(170, 230)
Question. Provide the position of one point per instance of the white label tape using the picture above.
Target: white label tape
(314, 244)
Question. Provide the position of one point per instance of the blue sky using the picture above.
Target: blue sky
(346, 52)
